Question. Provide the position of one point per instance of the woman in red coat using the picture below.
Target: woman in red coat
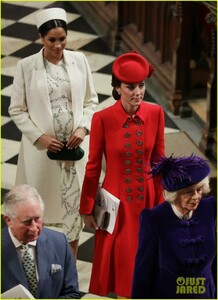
(130, 134)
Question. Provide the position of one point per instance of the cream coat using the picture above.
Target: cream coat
(30, 109)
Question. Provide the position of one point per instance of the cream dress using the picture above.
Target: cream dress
(60, 98)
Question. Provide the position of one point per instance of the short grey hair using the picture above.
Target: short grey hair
(171, 196)
(17, 194)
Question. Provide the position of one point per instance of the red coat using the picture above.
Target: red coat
(129, 147)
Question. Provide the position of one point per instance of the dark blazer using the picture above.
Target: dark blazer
(175, 257)
(52, 249)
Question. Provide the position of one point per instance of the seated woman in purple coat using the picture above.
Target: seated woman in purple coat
(177, 239)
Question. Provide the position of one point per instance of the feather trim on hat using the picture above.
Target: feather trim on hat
(176, 169)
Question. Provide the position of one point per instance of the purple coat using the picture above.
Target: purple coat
(174, 257)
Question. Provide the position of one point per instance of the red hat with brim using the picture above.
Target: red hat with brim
(131, 68)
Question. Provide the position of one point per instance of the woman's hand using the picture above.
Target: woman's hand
(76, 138)
(90, 221)
(50, 142)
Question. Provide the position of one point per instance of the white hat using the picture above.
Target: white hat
(48, 14)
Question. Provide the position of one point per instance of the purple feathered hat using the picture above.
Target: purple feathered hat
(180, 172)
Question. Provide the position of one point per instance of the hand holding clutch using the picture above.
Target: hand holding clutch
(67, 154)
(102, 217)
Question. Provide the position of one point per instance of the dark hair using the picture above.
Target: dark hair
(115, 82)
(45, 27)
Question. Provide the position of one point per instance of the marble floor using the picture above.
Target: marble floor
(20, 39)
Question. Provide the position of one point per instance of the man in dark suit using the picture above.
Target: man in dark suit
(55, 269)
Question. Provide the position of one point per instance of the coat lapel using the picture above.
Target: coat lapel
(74, 85)
(43, 255)
(41, 81)
(15, 267)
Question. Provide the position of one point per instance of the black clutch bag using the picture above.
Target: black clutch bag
(67, 154)
(102, 217)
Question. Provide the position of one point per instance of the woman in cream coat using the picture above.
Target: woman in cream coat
(31, 110)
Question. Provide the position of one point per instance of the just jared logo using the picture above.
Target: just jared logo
(190, 285)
